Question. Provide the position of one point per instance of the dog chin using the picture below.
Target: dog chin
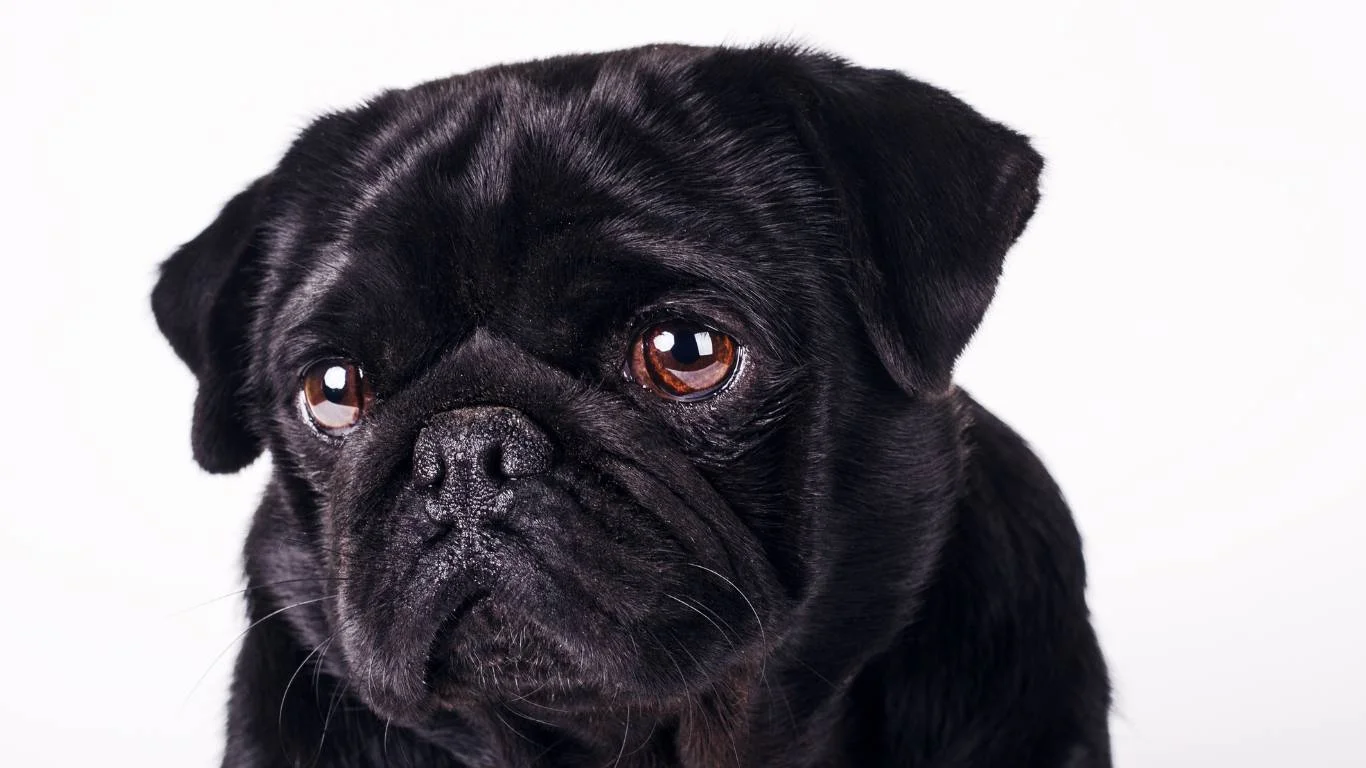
(477, 654)
(480, 655)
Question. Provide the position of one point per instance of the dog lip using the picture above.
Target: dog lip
(439, 652)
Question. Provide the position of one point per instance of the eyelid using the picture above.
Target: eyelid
(670, 310)
(326, 356)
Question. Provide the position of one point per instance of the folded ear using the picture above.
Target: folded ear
(934, 194)
(202, 305)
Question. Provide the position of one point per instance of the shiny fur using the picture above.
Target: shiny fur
(838, 560)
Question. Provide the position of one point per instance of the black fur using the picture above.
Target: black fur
(838, 560)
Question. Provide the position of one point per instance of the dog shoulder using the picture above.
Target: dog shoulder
(1001, 666)
(1012, 502)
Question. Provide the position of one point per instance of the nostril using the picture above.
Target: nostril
(428, 468)
(492, 463)
(528, 456)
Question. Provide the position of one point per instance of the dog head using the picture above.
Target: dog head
(601, 378)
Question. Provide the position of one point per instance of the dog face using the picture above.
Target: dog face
(602, 378)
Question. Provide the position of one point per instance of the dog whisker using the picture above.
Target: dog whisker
(280, 715)
(682, 678)
(695, 610)
(625, 731)
(508, 725)
(317, 668)
(249, 590)
(388, 721)
(532, 692)
(763, 638)
(249, 628)
(337, 695)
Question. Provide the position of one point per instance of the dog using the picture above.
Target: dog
(610, 406)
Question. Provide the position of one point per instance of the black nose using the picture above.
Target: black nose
(473, 451)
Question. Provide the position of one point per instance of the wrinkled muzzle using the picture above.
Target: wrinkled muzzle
(488, 551)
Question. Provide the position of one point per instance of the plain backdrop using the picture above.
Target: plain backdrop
(1179, 333)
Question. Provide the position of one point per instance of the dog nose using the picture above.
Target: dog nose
(473, 451)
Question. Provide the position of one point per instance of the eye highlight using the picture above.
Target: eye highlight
(682, 360)
(335, 396)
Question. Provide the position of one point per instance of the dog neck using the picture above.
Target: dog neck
(707, 728)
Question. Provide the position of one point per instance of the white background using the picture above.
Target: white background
(1180, 332)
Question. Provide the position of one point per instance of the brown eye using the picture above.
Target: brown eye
(682, 360)
(335, 396)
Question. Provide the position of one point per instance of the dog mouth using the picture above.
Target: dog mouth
(505, 605)
(441, 651)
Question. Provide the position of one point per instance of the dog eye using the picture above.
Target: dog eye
(683, 361)
(335, 396)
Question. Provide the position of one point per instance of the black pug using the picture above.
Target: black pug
(610, 409)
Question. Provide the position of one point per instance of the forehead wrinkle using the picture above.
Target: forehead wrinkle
(492, 124)
(471, 138)
(617, 84)
(350, 317)
(604, 150)
(668, 157)
(676, 262)
(326, 270)
(399, 152)
(575, 128)
(486, 181)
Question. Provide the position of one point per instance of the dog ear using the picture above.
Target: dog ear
(934, 194)
(203, 307)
